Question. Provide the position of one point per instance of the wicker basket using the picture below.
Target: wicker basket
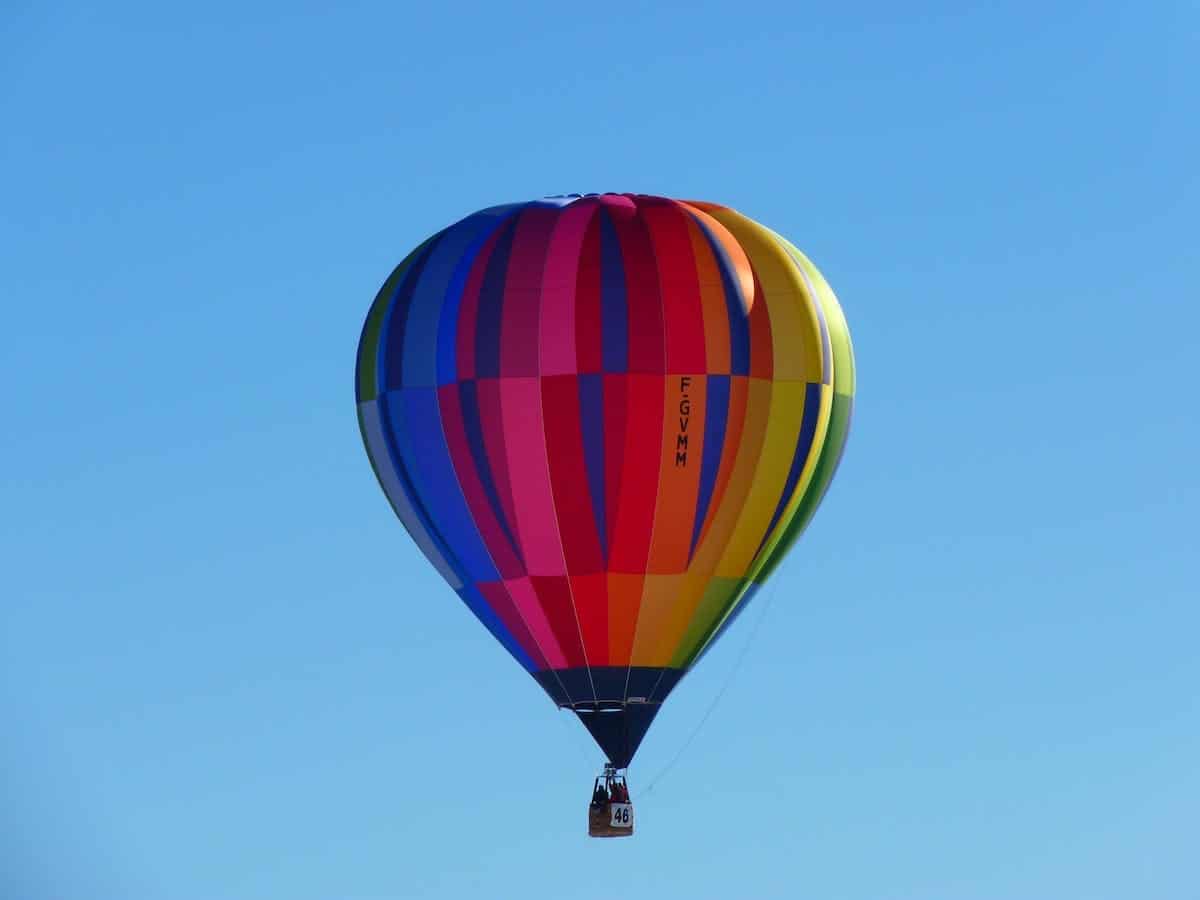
(600, 820)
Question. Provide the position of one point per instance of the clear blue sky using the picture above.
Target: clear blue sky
(227, 674)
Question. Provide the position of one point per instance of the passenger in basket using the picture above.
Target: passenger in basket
(599, 795)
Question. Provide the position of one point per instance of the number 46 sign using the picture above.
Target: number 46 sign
(621, 815)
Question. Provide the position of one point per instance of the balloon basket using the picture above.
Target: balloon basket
(610, 814)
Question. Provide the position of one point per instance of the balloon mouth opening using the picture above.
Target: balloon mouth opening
(608, 706)
(604, 706)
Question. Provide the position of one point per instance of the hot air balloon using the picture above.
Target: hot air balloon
(604, 419)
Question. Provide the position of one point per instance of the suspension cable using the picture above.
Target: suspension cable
(745, 651)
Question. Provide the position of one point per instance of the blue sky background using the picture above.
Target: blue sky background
(225, 671)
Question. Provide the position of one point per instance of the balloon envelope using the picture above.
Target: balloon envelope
(604, 419)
